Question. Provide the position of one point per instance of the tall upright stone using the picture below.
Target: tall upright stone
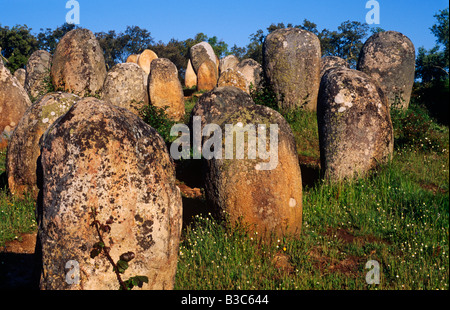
(201, 52)
(24, 148)
(20, 75)
(355, 128)
(292, 67)
(228, 62)
(164, 88)
(389, 57)
(102, 165)
(78, 63)
(125, 87)
(144, 60)
(38, 73)
(190, 78)
(132, 58)
(14, 101)
(261, 189)
(207, 76)
(234, 78)
(252, 72)
(331, 62)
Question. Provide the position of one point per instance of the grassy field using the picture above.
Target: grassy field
(397, 216)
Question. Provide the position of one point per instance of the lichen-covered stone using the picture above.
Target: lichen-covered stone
(221, 101)
(201, 52)
(355, 129)
(234, 78)
(78, 63)
(38, 73)
(14, 101)
(207, 76)
(144, 60)
(228, 62)
(165, 88)
(292, 67)
(252, 72)
(389, 58)
(190, 78)
(125, 87)
(20, 75)
(330, 62)
(24, 148)
(104, 158)
(268, 201)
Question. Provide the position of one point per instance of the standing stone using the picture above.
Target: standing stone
(269, 200)
(355, 129)
(165, 89)
(132, 58)
(125, 87)
(14, 101)
(220, 101)
(38, 73)
(330, 62)
(145, 60)
(235, 78)
(78, 63)
(20, 75)
(207, 76)
(292, 67)
(190, 78)
(201, 52)
(252, 72)
(24, 148)
(103, 158)
(389, 58)
(228, 62)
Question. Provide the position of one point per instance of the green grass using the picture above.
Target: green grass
(389, 217)
(398, 215)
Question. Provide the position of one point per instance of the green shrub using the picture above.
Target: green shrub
(414, 128)
(158, 119)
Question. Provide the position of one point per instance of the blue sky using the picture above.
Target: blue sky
(232, 21)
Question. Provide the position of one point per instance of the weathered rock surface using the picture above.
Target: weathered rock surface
(221, 101)
(132, 58)
(165, 89)
(252, 71)
(330, 62)
(125, 87)
(228, 62)
(14, 101)
(207, 76)
(145, 60)
(20, 75)
(355, 129)
(104, 158)
(190, 78)
(389, 58)
(201, 52)
(38, 73)
(24, 148)
(292, 67)
(78, 63)
(269, 201)
(234, 78)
